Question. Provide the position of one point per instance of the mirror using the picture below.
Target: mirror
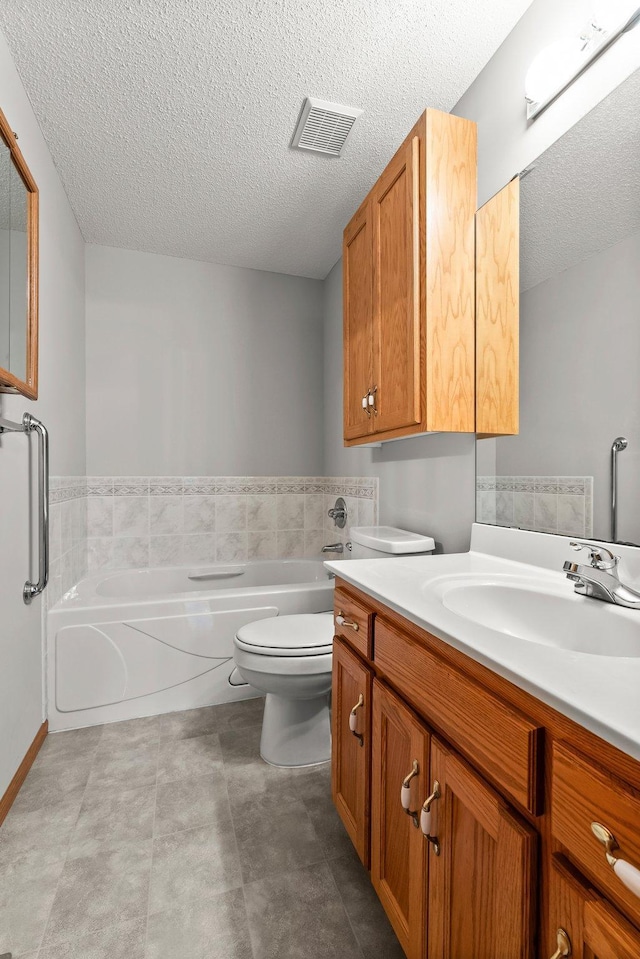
(18, 269)
(579, 337)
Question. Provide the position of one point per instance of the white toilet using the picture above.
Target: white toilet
(290, 657)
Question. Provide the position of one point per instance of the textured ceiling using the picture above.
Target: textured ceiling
(583, 195)
(170, 120)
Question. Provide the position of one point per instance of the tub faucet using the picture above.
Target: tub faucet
(600, 579)
(333, 548)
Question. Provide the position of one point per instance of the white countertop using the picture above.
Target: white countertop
(600, 692)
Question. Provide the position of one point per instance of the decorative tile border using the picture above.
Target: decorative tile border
(549, 504)
(62, 489)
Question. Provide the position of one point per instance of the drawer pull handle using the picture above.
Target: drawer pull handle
(341, 621)
(425, 818)
(353, 719)
(628, 875)
(564, 945)
(405, 793)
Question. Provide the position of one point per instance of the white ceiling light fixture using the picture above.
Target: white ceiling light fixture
(551, 68)
(561, 63)
(324, 127)
(608, 15)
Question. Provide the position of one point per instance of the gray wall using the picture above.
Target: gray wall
(197, 369)
(577, 397)
(428, 483)
(62, 408)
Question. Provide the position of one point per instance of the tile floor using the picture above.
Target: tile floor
(169, 837)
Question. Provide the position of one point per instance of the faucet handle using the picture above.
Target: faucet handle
(596, 557)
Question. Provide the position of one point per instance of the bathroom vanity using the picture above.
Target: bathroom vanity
(484, 717)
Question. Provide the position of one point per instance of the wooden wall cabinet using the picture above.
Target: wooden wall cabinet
(408, 287)
(510, 858)
(498, 313)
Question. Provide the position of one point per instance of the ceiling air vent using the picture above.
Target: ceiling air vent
(324, 127)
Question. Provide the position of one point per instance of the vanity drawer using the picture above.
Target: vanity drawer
(583, 793)
(356, 628)
(498, 739)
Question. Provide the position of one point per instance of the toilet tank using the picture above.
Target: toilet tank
(383, 542)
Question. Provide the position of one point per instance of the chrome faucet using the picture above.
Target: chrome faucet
(333, 548)
(600, 579)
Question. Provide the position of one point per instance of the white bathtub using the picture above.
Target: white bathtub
(129, 643)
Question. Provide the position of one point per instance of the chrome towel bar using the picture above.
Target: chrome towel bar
(30, 424)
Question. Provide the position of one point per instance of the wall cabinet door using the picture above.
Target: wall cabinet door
(395, 203)
(351, 746)
(357, 272)
(398, 848)
(482, 878)
(498, 313)
(592, 928)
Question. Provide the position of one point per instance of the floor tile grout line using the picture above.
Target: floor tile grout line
(153, 837)
(66, 853)
(242, 882)
(346, 911)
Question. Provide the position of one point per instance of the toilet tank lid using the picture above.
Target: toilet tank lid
(388, 539)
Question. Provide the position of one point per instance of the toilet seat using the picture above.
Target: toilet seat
(307, 634)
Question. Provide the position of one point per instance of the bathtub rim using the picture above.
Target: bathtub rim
(88, 598)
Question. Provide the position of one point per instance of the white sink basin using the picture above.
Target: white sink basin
(545, 614)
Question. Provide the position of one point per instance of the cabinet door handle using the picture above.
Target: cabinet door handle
(405, 793)
(425, 817)
(564, 945)
(372, 400)
(365, 404)
(628, 875)
(341, 621)
(353, 719)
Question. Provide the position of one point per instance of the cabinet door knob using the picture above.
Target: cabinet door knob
(341, 621)
(425, 817)
(628, 875)
(405, 793)
(564, 945)
(353, 719)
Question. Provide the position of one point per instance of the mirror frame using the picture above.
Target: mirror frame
(9, 382)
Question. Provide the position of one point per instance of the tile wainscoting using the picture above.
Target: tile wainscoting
(549, 504)
(67, 534)
(166, 521)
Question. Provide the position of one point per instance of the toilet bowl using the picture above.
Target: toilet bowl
(289, 658)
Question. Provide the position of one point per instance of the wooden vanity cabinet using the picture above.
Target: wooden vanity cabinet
(400, 749)
(351, 744)
(482, 873)
(583, 921)
(408, 288)
(510, 856)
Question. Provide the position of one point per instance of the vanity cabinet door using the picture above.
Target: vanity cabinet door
(351, 744)
(357, 280)
(398, 848)
(482, 868)
(583, 922)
